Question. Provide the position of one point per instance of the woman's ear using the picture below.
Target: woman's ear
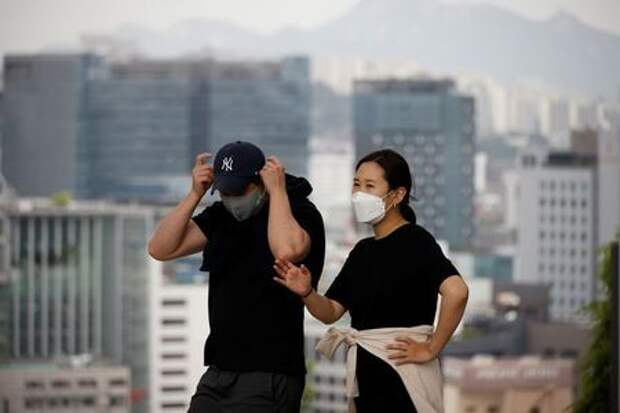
(400, 194)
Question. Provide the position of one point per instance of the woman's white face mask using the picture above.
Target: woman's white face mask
(368, 208)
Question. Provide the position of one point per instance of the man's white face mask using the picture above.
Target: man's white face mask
(368, 208)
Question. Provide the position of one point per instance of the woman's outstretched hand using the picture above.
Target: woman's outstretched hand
(297, 279)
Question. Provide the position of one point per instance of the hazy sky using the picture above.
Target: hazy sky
(27, 25)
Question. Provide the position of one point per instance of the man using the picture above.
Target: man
(255, 345)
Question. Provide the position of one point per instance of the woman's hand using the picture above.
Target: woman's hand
(297, 279)
(407, 350)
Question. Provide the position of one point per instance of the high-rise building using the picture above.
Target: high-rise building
(559, 124)
(131, 130)
(326, 378)
(139, 130)
(608, 183)
(45, 117)
(78, 282)
(433, 127)
(557, 227)
(267, 104)
(179, 327)
(67, 385)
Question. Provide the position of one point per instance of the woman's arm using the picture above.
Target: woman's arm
(298, 280)
(454, 293)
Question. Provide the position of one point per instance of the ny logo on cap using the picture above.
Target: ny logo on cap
(227, 164)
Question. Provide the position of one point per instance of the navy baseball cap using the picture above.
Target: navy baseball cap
(236, 165)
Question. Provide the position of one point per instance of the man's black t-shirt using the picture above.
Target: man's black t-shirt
(255, 323)
(390, 282)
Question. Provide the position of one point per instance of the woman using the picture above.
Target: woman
(389, 284)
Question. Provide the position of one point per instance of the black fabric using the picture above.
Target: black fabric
(390, 282)
(255, 323)
(221, 391)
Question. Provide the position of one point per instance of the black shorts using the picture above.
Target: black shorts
(221, 391)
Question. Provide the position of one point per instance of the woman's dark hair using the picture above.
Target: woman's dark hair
(397, 173)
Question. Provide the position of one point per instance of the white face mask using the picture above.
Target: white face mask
(244, 206)
(368, 208)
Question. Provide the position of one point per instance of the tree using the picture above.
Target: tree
(61, 198)
(596, 365)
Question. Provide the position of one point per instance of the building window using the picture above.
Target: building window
(60, 384)
(171, 339)
(179, 372)
(173, 302)
(117, 382)
(116, 401)
(34, 385)
(173, 321)
(173, 405)
(173, 356)
(173, 389)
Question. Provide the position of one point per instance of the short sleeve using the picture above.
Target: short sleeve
(309, 218)
(201, 220)
(439, 266)
(341, 288)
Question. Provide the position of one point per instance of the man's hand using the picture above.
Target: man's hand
(407, 350)
(272, 175)
(202, 175)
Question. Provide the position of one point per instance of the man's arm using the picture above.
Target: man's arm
(177, 235)
(287, 239)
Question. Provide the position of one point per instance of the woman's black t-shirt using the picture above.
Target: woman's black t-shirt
(390, 282)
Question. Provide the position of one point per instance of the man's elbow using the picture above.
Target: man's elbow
(154, 252)
(290, 253)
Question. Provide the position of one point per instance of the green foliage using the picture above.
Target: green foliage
(596, 365)
(309, 392)
(61, 198)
